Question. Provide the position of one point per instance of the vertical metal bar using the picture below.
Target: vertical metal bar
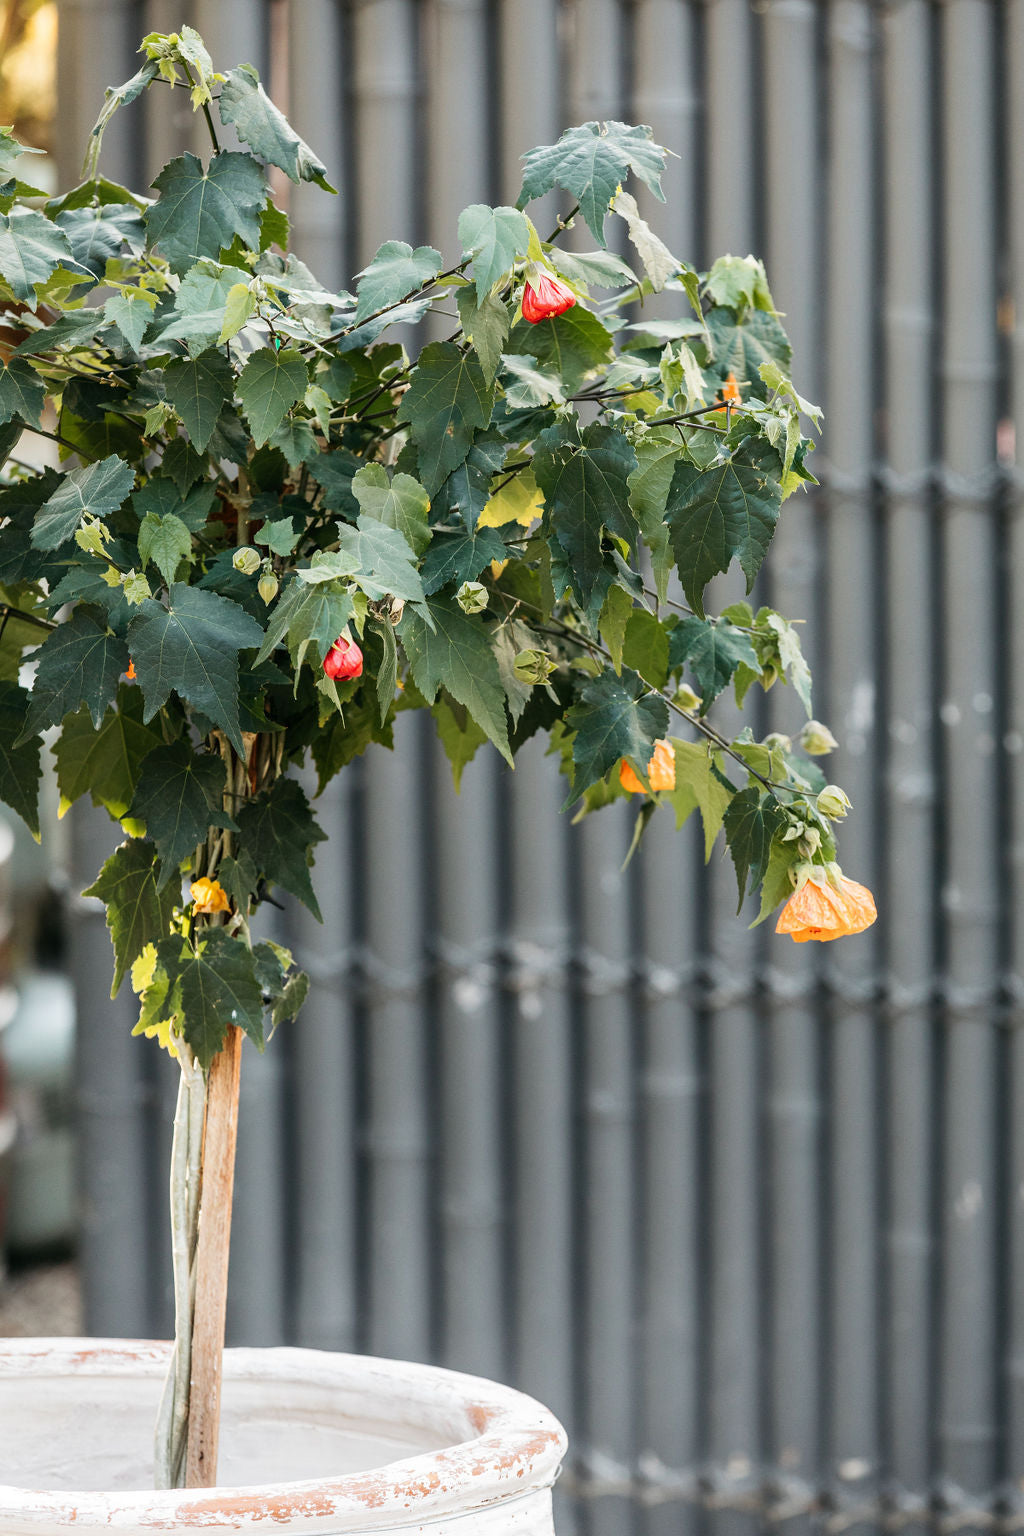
(399, 1175)
(967, 1430)
(530, 92)
(457, 89)
(169, 119)
(472, 1331)
(909, 323)
(728, 72)
(384, 84)
(95, 48)
(595, 85)
(320, 222)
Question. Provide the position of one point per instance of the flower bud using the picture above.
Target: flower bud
(472, 597)
(533, 666)
(344, 660)
(545, 295)
(247, 560)
(833, 802)
(816, 739)
(810, 842)
(777, 741)
(685, 697)
(267, 585)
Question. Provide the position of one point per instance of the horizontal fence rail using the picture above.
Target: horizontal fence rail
(750, 1219)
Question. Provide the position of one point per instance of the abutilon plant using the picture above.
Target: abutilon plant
(265, 528)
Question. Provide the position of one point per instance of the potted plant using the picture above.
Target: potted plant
(267, 531)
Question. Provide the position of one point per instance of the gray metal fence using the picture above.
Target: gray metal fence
(749, 1218)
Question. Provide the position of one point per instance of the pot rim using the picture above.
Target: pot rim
(512, 1446)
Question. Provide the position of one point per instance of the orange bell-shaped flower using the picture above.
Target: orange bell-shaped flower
(827, 911)
(661, 770)
(209, 896)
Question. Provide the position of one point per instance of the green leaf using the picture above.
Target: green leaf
(700, 785)
(615, 615)
(20, 769)
(161, 495)
(615, 717)
(116, 96)
(459, 734)
(238, 310)
(751, 822)
(379, 559)
(199, 388)
(268, 133)
(291, 998)
(792, 657)
(457, 656)
(572, 345)
(137, 913)
(268, 386)
(590, 162)
(533, 385)
(280, 830)
(183, 463)
(104, 760)
(657, 454)
(725, 512)
(493, 237)
(597, 269)
(213, 985)
(387, 671)
(166, 541)
(741, 283)
(646, 647)
(81, 662)
(30, 249)
(132, 316)
(97, 234)
(446, 403)
(97, 489)
(400, 503)
(303, 616)
(741, 347)
(200, 306)
(486, 326)
(191, 648)
(459, 557)
(335, 471)
(778, 885)
(22, 392)
(584, 492)
(712, 652)
(397, 271)
(179, 796)
(199, 212)
(658, 261)
(73, 328)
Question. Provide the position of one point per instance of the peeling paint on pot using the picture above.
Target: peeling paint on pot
(312, 1443)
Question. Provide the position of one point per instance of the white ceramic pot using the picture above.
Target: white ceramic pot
(311, 1443)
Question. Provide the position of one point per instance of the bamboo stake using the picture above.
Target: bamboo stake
(221, 1134)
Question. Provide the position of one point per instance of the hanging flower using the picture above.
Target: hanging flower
(661, 770)
(209, 896)
(129, 676)
(344, 659)
(729, 392)
(826, 908)
(545, 295)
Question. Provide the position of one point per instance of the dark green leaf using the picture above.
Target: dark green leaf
(741, 347)
(160, 496)
(457, 656)
(268, 386)
(657, 454)
(81, 662)
(199, 388)
(214, 985)
(104, 760)
(191, 647)
(445, 404)
(335, 472)
(199, 212)
(280, 830)
(584, 492)
(395, 272)
(751, 822)
(267, 132)
(468, 489)
(725, 512)
(459, 557)
(569, 346)
(179, 796)
(387, 671)
(485, 325)
(713, 652)
(591, 162)
(22, 392)
(616, 717)
(97, 234)
(494, 237)
(132, 316)
(97, 489)
(183, 463)
(137, 913)
(201, 304)
(20, 770)
(30, 249)
(645, 647)
(77, 326)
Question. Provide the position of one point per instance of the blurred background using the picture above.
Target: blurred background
(748, 1216)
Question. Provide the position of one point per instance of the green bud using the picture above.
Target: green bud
(247, 560)
(533, 666)
(816, 739)
(778, 741)
(268, 585)
(472, 597)
(685, 698)
(833, 802)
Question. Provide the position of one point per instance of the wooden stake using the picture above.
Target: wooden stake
(219, 1139)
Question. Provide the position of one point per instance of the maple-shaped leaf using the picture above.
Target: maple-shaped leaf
(615, 717)
(395, 272)
(103, 761)
(138, 912)
(459, 557)
(725, 512)
(200, 305)
(161, 495)
(22, 392)
(96, 489)
(751, 822)
(96, 234)
(700, 785)
(493, 237)
(200, 211)
(268, 133)
(281, 831)
(712, 652)
(377, 557)
(131, 314)
(166, 541)
(30, 249)
(468, 488)
(456, 655)
(81, 662)
(306, 615)
(591, 161)
(335, 471)
(180, 796)
(568, 346)
(399, 502)
(199, 388)
(268, 386)
(585, 490)
(191, 648)
(446, 403)
(20, 769)
(212, 983)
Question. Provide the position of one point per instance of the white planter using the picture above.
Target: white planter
(311, 1443)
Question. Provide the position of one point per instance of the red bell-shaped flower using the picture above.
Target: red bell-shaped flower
(344, 659)
(545, 295)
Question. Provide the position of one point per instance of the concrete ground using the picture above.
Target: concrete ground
(41, 1301)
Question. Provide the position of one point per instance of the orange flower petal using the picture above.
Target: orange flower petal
(661, 770)
(827, 912)
(209, 896)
